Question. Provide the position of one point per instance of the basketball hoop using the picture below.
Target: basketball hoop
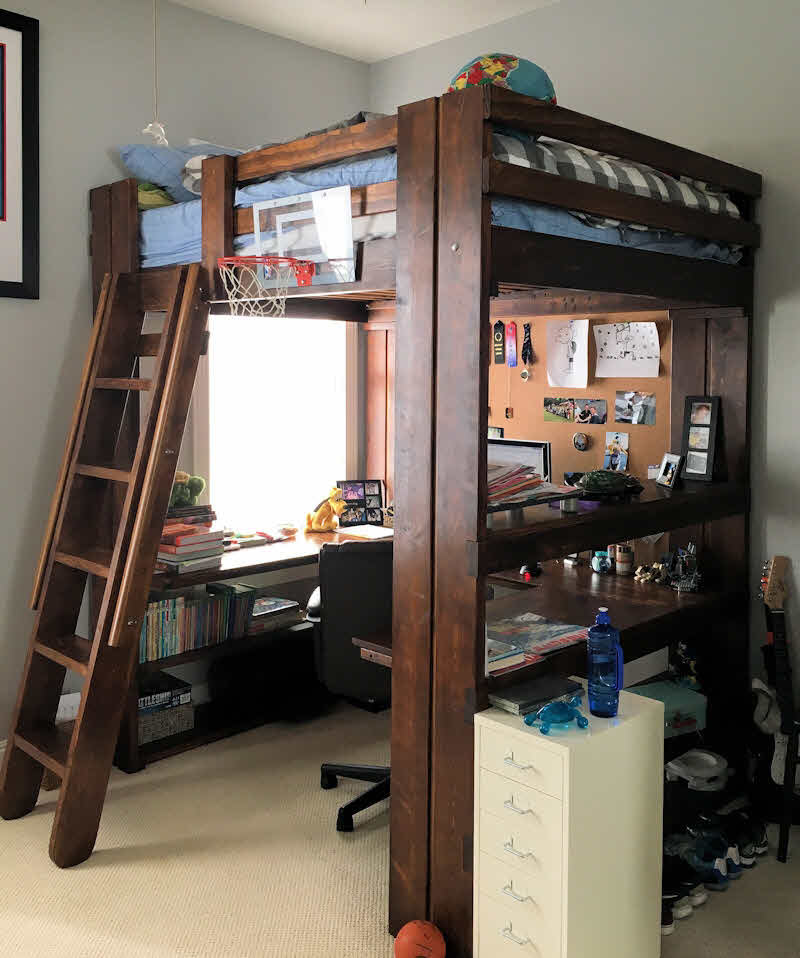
(258, 285)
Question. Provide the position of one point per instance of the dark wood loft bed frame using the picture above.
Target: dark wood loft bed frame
(445, 265)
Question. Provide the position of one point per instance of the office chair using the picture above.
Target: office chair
(354, 598)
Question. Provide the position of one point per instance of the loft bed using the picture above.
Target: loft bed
(448, 262)
(657, 200)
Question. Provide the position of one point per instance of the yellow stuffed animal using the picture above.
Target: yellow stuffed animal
(325, 517)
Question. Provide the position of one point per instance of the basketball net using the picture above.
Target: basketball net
(245, 279)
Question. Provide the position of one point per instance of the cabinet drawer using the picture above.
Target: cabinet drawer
(524, 760)
(501, 934)
(530, 847)
(526, 894)
(519, 804)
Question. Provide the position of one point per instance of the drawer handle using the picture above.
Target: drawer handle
(509, 890)
(509, 760)
(509, 934)
(509, 847)
(515, 808)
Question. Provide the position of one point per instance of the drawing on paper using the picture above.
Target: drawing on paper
(627, 349)
(567, 352)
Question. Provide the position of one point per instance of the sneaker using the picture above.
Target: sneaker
(722, 846)
(667, 922)
(741, 829)
(678, 876)
(711, 868)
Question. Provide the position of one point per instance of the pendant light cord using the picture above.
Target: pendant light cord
(155, 60)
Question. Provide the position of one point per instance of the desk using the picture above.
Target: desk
(376, 648)
(302, 549)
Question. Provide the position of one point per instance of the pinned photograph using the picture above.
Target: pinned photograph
(615, 457)
(697, 463)
(698, 437)
(592, 412)
(638, 409)
(558, 409)
(701, 414)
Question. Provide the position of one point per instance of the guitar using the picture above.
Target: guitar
(776, 658)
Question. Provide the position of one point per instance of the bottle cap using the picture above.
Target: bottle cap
(602, 617)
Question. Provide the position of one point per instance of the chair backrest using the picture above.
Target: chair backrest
(355, 580)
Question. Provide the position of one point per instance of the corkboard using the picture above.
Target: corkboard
(647, 444)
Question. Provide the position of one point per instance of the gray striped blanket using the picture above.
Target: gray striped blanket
(611, 172)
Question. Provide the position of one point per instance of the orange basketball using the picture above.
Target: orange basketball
(419, 939)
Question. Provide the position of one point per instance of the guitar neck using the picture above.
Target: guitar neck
(783, 670)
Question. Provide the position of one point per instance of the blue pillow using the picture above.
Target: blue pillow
(163, 165)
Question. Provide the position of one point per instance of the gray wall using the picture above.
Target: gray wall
(718, 76)
(219, 81)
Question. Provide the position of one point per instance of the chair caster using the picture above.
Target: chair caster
(344, 822)
(327, 780)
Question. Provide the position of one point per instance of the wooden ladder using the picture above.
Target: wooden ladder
(106, 520)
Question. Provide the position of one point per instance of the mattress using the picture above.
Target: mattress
(173, 234)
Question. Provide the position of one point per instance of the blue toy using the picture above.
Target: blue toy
(558, 714)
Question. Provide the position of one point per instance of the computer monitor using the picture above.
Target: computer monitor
(527, 452)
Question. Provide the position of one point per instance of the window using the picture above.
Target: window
(281, 410)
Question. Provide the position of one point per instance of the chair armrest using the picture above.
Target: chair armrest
(314, 606)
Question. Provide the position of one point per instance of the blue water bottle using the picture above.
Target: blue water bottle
(606, 666)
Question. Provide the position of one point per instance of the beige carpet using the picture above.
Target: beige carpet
(757, 917)
(230, 851)
(227, 851)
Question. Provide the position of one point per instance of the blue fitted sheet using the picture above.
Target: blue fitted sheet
(173, 234)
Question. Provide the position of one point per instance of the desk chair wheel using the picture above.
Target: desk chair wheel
(327, 779)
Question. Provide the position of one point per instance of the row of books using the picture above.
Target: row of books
(181, 622)
(189, 543)
(165, 707)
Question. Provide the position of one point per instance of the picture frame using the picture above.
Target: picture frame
(19, 156)
(700, 428)
(365, 500)
(669, 470)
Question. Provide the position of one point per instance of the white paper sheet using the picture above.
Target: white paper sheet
(568, 353)
(627, 350)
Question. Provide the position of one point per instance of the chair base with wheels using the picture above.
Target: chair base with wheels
(379, 774)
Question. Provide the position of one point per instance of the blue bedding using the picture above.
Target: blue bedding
(173, 234)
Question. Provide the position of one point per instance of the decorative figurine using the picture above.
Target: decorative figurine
(558, 714)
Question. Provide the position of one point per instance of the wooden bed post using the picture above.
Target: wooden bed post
(219, 185)
(462, 371)
(415, 373)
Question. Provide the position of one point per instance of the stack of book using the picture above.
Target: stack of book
(502, 656)
(269, 614)
(189, 547)
(165, 707)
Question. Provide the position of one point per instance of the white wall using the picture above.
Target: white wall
(721, 77)
(219, 81)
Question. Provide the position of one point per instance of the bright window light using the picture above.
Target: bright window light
(277, 417)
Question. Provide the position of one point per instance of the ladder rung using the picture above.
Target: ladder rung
(71, 651)
(103, 472)
(138, 385)
(49, 745)
(97, 561)
(150, 342)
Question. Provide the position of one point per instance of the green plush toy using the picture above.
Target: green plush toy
(185, 490)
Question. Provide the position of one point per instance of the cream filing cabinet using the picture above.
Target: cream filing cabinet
(568, 836)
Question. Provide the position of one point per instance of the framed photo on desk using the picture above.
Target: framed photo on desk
(365, 501)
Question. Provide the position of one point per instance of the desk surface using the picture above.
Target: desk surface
(301, 550)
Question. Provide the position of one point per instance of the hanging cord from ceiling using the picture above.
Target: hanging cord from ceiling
(155, 128)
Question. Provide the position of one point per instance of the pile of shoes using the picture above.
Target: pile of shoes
(708, 855)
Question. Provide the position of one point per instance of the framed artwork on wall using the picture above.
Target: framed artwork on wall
(700, 419)
(19, 156)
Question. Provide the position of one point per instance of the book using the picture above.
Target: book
(528, 696)
(271, 605)
(189, 535)
(502, 655)
(189, 565)
(172, 553)
(274, 622)
(534, 634)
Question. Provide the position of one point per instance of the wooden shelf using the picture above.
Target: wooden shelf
(542, 532)
(648, 616)
(243, 643)
(210, 725)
